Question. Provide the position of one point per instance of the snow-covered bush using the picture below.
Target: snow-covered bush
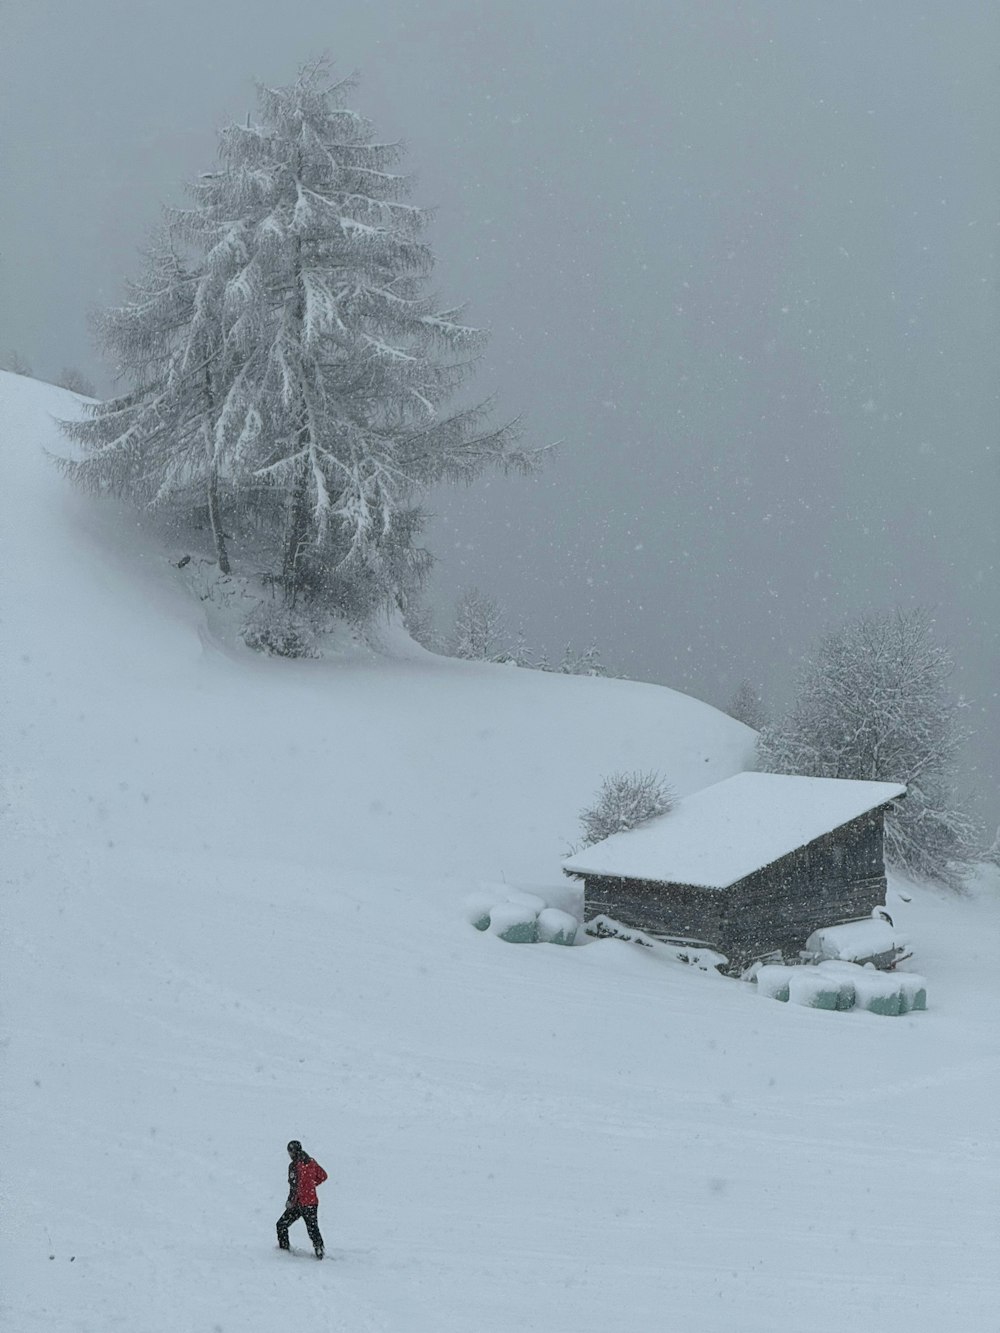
(872, 703)
(276, 630)
(624, 801)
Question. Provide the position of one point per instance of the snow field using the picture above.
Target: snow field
(233, 914)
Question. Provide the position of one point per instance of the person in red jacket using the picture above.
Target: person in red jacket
(304, 1175)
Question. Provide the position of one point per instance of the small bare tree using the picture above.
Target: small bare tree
(624, 801)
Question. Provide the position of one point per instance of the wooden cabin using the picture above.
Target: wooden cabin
(749, 865)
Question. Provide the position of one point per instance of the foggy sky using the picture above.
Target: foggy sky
(739, 257)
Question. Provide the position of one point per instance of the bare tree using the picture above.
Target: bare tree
(624, 801)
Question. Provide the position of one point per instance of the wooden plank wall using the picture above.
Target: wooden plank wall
(838, 877)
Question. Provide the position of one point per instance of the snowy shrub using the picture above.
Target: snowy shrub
(275, 630)
(872, 704)
(624, 801)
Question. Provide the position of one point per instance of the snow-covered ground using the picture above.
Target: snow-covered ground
(233, 915)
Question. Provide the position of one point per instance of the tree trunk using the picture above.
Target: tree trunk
(214, 515)
(296, 530)
(298, 514)
(218, 536)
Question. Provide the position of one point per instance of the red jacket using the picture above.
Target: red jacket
(303, 1177)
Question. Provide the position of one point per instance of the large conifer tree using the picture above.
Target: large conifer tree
(287, 363)
(158, 443)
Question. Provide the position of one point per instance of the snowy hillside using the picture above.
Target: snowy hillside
(233, 894)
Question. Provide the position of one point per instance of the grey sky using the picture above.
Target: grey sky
(741, 257)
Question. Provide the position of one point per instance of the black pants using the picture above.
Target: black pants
(292, 1214)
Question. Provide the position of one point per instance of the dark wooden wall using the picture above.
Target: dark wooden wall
(838, 877)
(658, 908)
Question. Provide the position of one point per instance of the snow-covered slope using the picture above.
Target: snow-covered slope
(233, 915)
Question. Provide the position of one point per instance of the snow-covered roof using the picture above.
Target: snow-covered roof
(721, 834)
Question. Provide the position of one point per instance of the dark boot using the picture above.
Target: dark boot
(283, 1223)
(312, 1226)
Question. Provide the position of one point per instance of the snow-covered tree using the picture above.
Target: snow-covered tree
(581, 664)
(624, 801)
(168, 442)
(479, 625)
(747, 706)
(873, 703)
(285, 355)
(17, 364)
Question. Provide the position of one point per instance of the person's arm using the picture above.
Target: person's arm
(320, 1174)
